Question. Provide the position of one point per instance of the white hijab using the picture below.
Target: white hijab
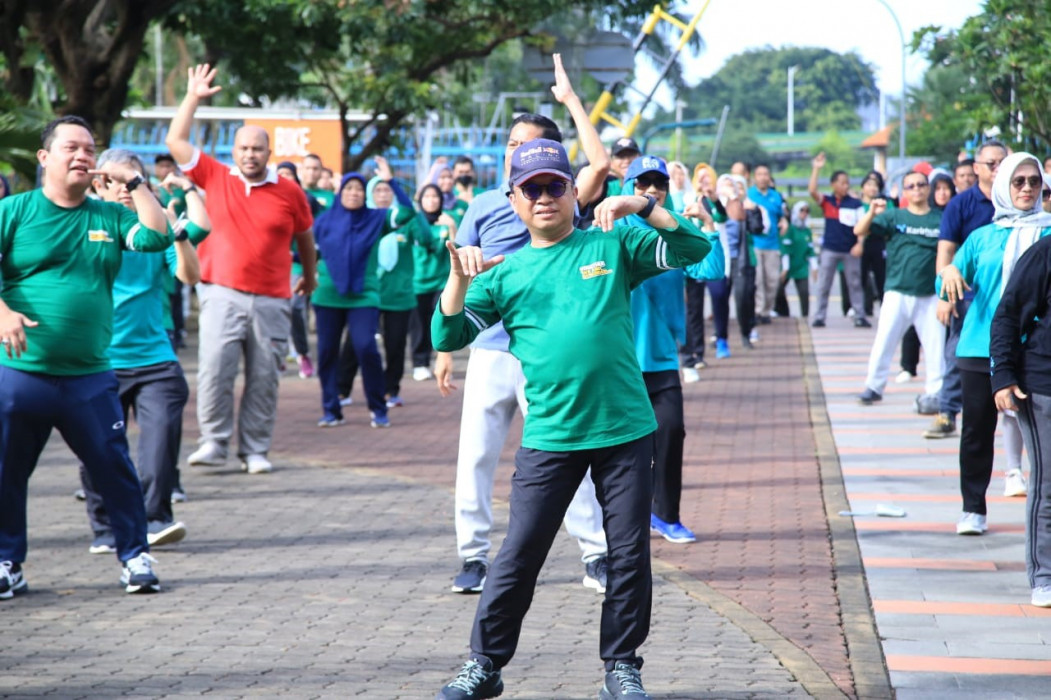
(1026, 225)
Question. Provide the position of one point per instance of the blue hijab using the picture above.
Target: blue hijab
(345, 238)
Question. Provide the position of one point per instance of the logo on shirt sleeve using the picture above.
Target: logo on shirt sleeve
(595, 269)
(99, 236)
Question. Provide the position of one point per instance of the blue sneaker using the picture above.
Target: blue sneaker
(624, 682)
(379, 421)
(722, 349)
(673, 532)
(395, 402)
(328, 421)
(471, 578)
(475, 681)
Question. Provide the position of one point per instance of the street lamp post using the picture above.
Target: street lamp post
(901, 35)
(792, 99)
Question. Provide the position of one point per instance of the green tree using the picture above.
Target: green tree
(940, 117)
(92, 46)
(1004, 51)
(829, 88)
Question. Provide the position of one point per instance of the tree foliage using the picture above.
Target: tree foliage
(1004, 50)
(92, 45)
(829, 88)
(941, 113)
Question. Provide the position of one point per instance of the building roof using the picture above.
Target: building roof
(880, 139)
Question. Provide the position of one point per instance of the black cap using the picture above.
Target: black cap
(625, 144)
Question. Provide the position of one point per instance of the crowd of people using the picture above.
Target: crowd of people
(97, 266)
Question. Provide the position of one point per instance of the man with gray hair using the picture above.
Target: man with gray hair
(244, 291)
(151, 381)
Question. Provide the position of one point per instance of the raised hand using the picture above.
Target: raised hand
(562, 89)
(118, 172)
(200, 80)
(613, 208)
(467, 262)
(878, 206)
(819, 161)
(172, 180)
(383, 170)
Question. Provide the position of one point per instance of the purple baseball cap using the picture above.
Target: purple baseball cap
(539, 157)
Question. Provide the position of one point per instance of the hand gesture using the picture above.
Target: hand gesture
(562, 89)
(172, 181)
(1005, 398)
(12, 332)
(200, 80)
(699, 211)
(819, 161)
(878, 206)
(443, 373)
(468, 262)
(953, 285)
(613, 208)
(120, 173)
(383, 170)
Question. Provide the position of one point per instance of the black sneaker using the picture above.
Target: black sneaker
(624, 681)
(818, 323)
(861, 322)
(869, 397)
(595, 574)
(476, 680)
(471, 578)
(12, 582)
(138, 577)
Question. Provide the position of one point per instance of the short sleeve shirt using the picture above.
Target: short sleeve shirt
(840, 218)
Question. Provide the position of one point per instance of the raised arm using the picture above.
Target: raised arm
(815, 168)
(198, 86)
(864, 225)
(592, 178)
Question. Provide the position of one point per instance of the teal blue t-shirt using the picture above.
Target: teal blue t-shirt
(139, 338)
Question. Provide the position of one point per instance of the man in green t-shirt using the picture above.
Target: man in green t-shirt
(60, 254)
(908, 299)
(310, 171)
(564, 301)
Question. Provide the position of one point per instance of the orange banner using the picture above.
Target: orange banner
(292, 139)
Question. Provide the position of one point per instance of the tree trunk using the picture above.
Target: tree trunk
(94, 46)
(380, 139)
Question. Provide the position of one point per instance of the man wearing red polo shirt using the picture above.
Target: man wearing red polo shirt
(244, 291)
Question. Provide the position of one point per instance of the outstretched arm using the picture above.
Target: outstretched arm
(816, 165)
(592, 178)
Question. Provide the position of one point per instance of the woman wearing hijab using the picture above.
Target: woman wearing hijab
(432, 269)
(984, 264)
(798, 259)
(348, 292)
(1019, 351)
(680, 190)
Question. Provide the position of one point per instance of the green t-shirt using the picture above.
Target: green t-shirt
(58, 268)
(326, 197)
(432, 265)
(798, 245)
(567, 310)
(326, 293)
(396, 286)
(912, 247)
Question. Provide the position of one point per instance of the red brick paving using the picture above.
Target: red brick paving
(752, 490)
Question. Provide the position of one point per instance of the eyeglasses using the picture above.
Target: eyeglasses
(644, 183)
(991, 164)
(917, 186)
(533, 191)
(1034, 181)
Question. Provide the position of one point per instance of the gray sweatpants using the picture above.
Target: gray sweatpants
(233, 324)
(827, 274)
(1035, 420)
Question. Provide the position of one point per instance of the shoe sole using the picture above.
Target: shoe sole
(179, 499)
(938, 436)
(19, 589)
(207, 463)
(149, 588)
(593, 584)
(256, 470)
(170, 535)
(969, 533)
(101, 549)
(1016, 494)
(460, 589)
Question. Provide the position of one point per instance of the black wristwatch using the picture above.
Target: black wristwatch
(182, 234)
(133, 183)
(648, 209)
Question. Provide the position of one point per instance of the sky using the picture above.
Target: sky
(732, 26)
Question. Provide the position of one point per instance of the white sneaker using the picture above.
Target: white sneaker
(209, 454)
(346, 401)
(422, 374)
(904, 377)
(971, 524)
(851, 313)
(754, 336)
(1042, 597)
(690, 375)
(1015, 484)
(256, 464)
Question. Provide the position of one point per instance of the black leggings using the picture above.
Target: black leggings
(977, 438)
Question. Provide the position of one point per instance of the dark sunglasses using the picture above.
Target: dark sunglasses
(533, 191)
(917, 186)
(1034, 181)
(644, 183)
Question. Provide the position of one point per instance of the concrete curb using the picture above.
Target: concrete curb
(867, 663)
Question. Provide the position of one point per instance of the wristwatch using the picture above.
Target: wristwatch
(648, 209)
(133, 183)
(182, 234)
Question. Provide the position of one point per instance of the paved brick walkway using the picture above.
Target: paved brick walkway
(329, 578)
